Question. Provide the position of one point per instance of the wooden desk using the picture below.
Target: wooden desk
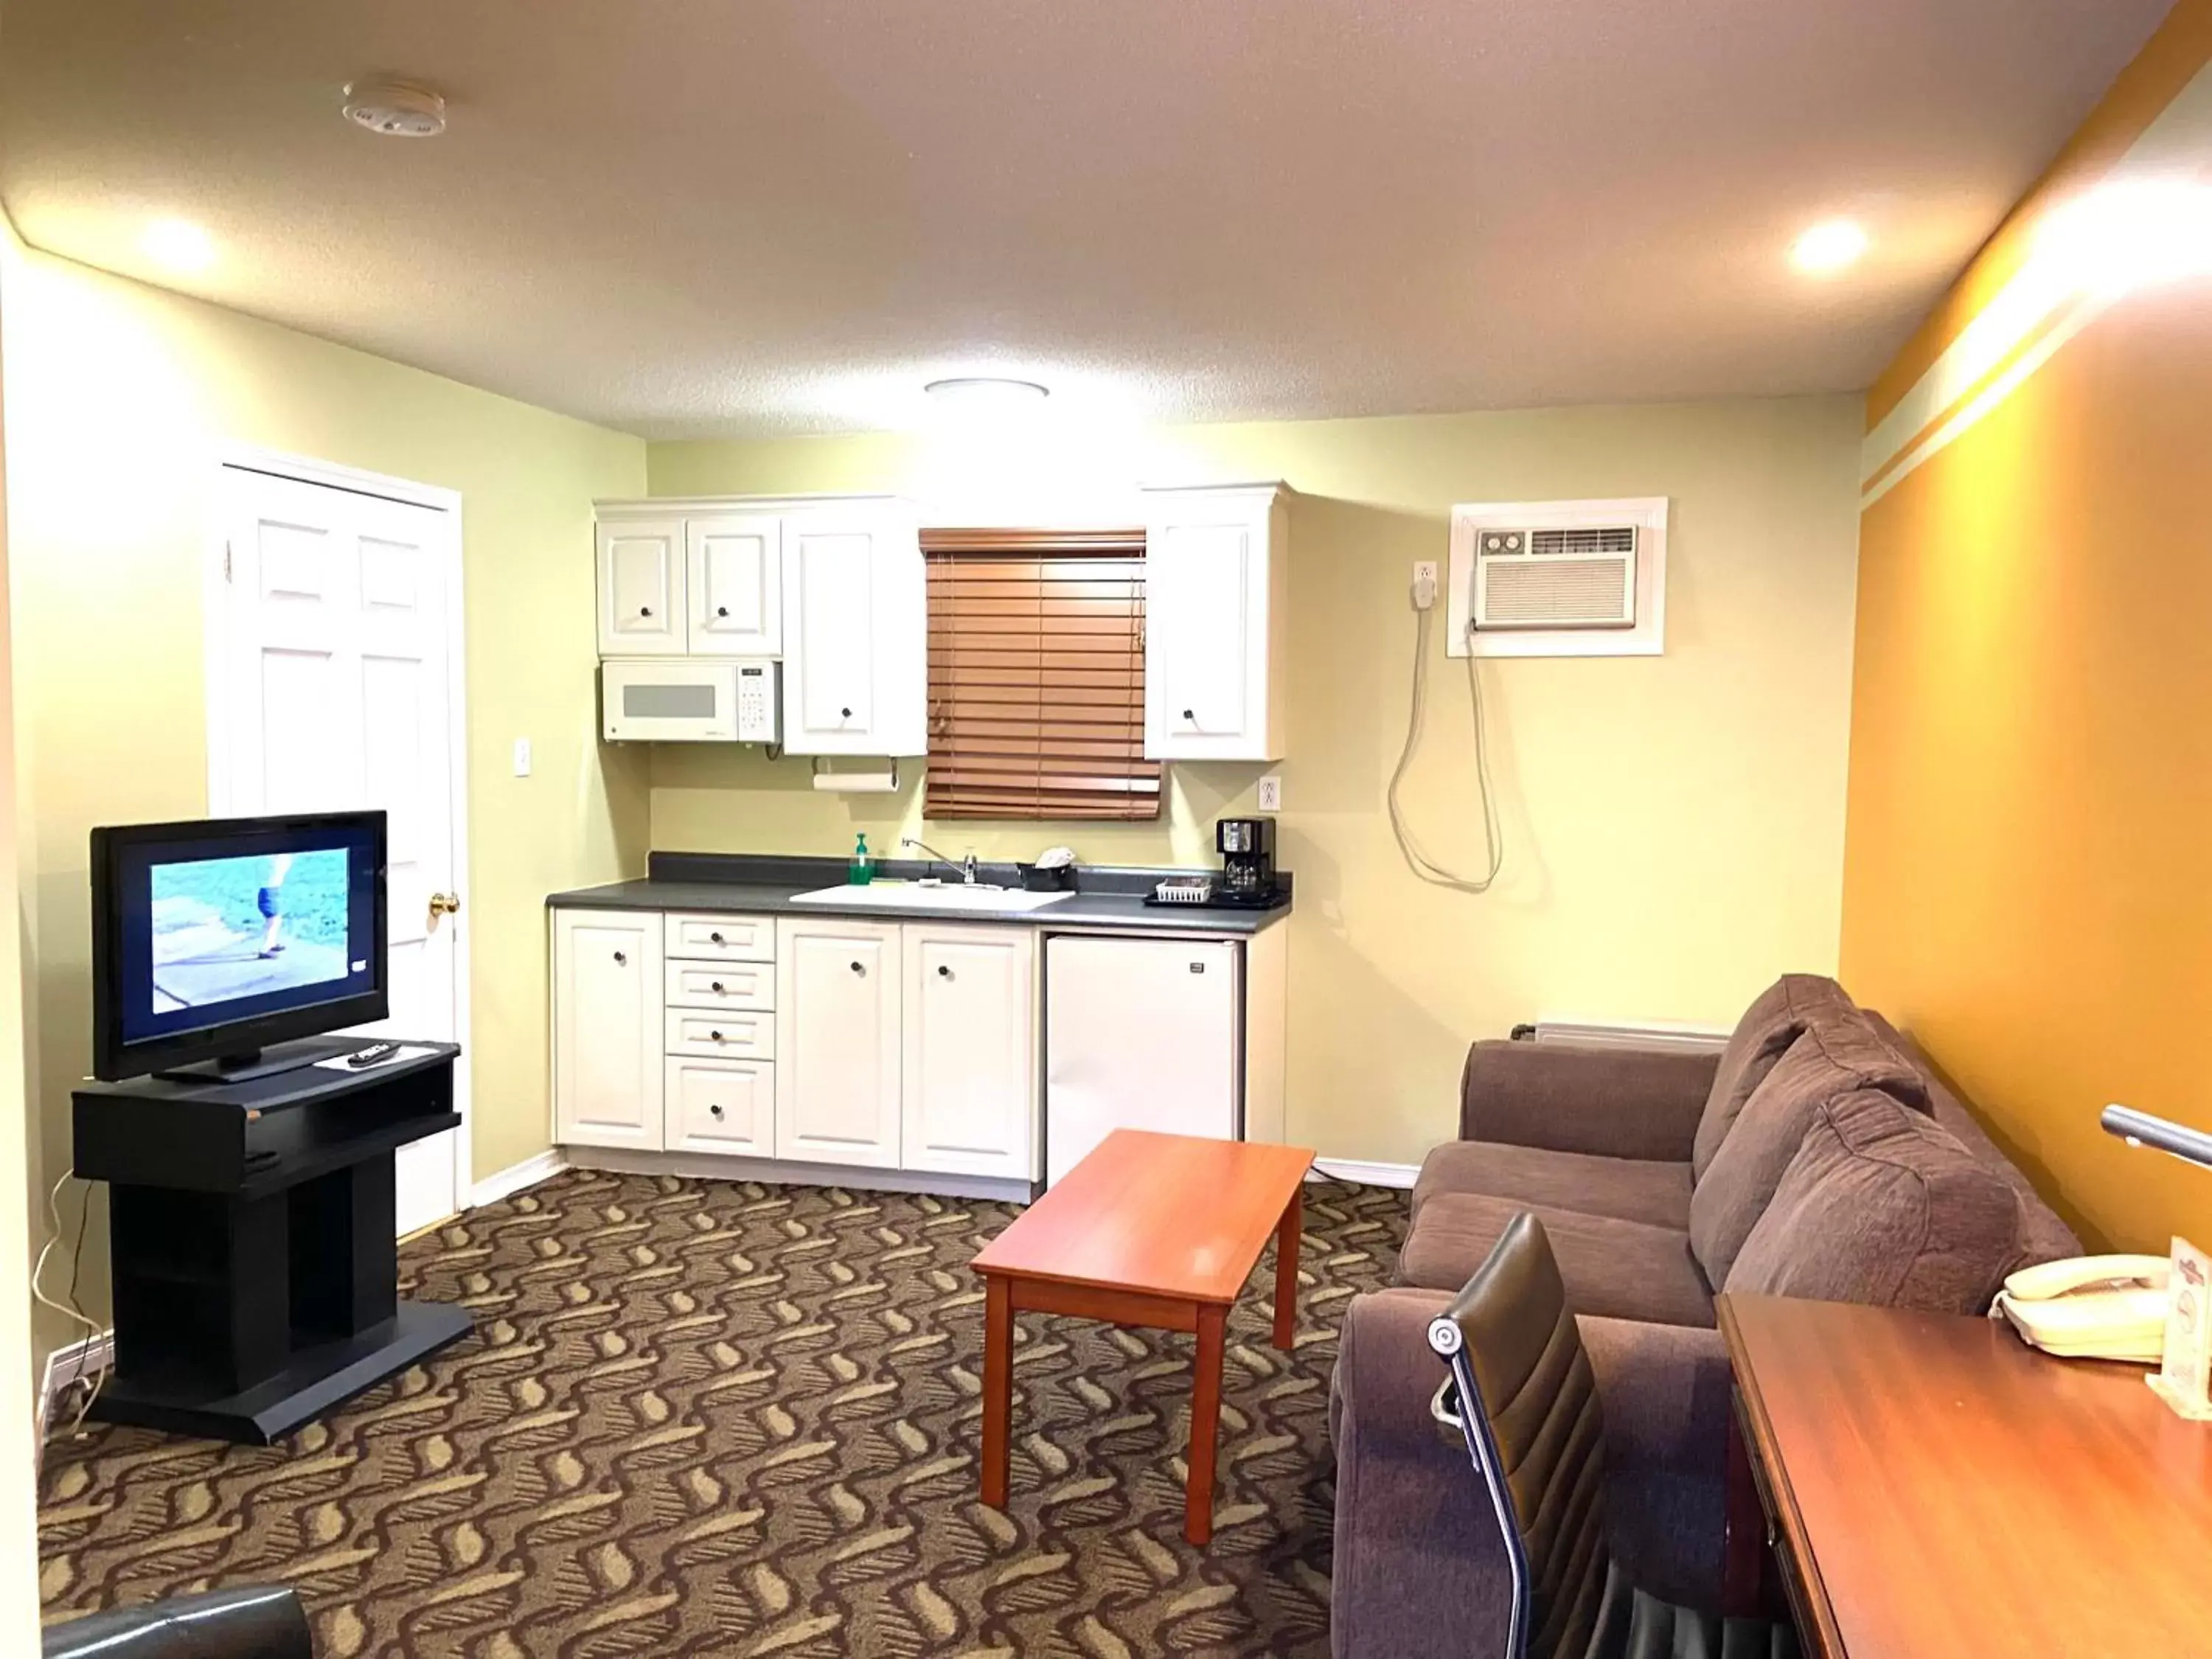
(1935, 1487)
(1153, 1230)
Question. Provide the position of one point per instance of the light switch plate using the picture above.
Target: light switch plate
(522, 757)
(1271, 793)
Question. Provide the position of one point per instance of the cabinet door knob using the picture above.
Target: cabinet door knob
(721, 610)
(715, 1110)
(715, 937)
(858, 968)
(1191, 714)
(620, 959)
(716, 987)
(644, 611)
(716, 1035)
(943, 972)
(845, 713)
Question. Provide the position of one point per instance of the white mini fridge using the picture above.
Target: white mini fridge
(1140, 1034)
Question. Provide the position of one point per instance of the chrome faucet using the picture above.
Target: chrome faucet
(967, 865)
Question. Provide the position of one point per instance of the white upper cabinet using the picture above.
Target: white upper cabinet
(855, 632)
(641, 610)
(1217, 569)
(733, 575)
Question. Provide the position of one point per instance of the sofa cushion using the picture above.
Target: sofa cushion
(2044, 1236)
(1627, 1188)
(1838, 1051)
(1616, 1269)
(1774, 1019)
(1882, 1205)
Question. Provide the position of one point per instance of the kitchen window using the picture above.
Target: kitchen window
(1037, 675)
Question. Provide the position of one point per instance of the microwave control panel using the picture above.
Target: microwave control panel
(756, 702)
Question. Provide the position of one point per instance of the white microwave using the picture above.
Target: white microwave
(688, 700)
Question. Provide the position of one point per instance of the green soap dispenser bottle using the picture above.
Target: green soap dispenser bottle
(862, 869)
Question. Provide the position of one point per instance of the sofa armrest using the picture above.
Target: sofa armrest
(1612, 1103)
(1420, 1570)
(1666, 1391)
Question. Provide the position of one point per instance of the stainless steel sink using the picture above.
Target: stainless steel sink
(914, 896)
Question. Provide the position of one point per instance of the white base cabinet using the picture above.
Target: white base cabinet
(607, 1028)
(971, 1088)
(837, 1042)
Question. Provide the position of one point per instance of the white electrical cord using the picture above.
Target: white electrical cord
(1421, 863)
(73, 1310)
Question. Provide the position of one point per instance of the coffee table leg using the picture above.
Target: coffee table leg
(997, 1384)
(1204, 1425)
(1286, 1270)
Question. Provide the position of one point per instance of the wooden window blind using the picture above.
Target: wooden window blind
(1037, 675)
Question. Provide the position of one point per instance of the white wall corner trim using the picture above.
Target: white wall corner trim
(1364, 1173)
(518, 1177)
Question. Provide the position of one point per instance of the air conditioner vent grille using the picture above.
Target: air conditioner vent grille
(1606, 538)
(1558, 593)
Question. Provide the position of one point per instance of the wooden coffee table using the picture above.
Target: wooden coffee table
(1154, 1231)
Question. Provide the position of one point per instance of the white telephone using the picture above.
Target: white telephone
(2092, 1307)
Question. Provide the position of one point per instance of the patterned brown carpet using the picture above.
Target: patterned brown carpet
(706, 1418)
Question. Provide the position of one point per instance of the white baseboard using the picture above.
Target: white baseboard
(87, 1356)
(518, 1177)
(1366, 1174)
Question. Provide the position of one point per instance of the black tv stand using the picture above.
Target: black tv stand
(250, 1223)
(265, 1062)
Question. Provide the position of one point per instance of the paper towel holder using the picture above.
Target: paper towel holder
(857, 783)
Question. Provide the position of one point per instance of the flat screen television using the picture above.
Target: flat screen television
(214, 939)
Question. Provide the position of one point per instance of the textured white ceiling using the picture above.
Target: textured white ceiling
(691, 218)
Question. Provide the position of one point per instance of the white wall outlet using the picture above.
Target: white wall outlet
(1271, 793)
(1425, 584)
(522, 757)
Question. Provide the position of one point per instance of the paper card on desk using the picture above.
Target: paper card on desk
(407, 1051)
(2182, 1380)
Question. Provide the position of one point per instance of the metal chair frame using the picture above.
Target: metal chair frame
(1458, 1404)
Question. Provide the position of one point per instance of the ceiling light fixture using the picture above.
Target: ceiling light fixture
(987, 392)
(1832, 245)
(394, 109)
(178, 245)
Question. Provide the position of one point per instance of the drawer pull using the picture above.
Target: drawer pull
(716, 987)
(860, 970)
(717, 1036)
(714, 938)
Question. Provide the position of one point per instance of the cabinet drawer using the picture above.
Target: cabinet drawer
(720, 1106)
(721, 939)
(729, 1034)
(721, 985)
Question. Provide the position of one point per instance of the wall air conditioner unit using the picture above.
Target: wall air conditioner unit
(1559, 579)
(1527, 578)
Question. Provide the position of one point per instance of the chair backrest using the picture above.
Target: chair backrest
(1528, 1409)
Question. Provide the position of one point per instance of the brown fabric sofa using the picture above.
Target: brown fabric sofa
(1817, 1155)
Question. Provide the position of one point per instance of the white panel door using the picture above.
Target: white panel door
(837, 1042)
(734, 577)
(607, 1029)
(332, 684)
(855, 633)
(1198, 580)
(970, 1080)
(642, 611)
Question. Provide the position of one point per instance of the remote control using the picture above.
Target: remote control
(376, 1055)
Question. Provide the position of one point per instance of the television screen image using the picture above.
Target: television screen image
(229, 927)
(218, 938)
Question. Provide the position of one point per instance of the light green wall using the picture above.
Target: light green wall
(118, 398)
(1674, 826)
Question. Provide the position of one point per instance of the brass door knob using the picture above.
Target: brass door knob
(445, 904)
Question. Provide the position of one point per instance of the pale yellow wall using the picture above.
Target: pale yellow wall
(119, 398)
(19, 1553)
(1675, 824)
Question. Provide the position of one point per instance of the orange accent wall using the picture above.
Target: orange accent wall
(2167, 64)
(2028, 855)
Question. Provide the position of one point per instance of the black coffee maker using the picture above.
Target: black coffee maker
(1246, 847)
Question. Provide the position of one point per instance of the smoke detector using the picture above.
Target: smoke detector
(394, 109)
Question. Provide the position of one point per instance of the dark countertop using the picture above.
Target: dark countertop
(739, 884)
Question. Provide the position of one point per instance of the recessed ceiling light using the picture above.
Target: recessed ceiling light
(394, 109)
(1832, 245)
(178, 245)
(987, 392)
